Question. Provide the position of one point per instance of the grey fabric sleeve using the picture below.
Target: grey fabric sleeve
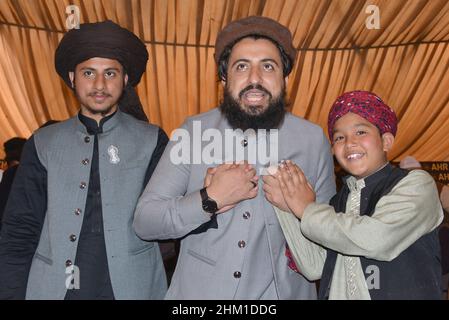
(164, 210)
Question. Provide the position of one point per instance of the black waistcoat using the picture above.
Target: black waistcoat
(414, 274)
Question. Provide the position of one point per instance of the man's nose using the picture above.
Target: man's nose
(99, 83)
(255, 76)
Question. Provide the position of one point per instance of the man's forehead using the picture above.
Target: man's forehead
(100, 63)
(250, 48)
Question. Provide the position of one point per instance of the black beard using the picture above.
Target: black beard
(271, 118)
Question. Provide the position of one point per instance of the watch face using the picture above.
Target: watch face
(210, 206)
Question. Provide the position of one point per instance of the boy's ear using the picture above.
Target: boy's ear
(387, 141)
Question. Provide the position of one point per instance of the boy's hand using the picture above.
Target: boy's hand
(297, 191)
(273, 192)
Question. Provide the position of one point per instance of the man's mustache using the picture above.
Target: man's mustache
(99, 93)
(252, 87)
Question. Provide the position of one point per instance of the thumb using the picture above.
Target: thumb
(211, 170)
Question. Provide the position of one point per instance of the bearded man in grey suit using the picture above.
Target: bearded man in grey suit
(232, 246)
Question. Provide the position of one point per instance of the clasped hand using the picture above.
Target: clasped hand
(229, 184)
(288, 189)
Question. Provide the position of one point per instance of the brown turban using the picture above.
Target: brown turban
(259, 26)
(105, 40)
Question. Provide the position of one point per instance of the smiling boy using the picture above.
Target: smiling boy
(377, 239)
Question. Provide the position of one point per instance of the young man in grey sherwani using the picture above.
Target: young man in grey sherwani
(67, 230)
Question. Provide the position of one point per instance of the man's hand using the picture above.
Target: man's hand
(209, 173)
(273, 192)
(228, 184)
(297, 191)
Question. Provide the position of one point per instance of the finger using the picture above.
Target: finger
(265, 179)
(296, 176)
(283, 187)
(254, 179)
(287, 180)
(267, 188)
(287, 164)
(283, 167)
(285, 174)
(253, 192)
(208, 178)
(251, 173)
(274, 193)
(310, 186)
(280, 178)
(270, 180)
(224, 166)
(248, 166)
(300, 173)
(211, 170)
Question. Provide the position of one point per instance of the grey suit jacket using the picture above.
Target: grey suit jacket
(170, 207)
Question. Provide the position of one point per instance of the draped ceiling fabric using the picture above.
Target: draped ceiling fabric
(406, 61)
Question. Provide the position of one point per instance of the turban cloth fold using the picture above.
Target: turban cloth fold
(105, 40)
(367, 105)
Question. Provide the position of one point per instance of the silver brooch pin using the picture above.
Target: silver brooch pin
(113, 154)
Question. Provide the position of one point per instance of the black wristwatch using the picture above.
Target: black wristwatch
(209, 204)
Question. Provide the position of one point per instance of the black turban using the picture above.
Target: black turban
(105, 40)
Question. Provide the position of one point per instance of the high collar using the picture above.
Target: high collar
(106, 123)
(355, 184)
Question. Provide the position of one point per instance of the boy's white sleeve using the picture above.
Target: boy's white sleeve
(411, 210)
(308, 256)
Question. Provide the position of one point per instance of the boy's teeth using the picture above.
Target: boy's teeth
(354, 156)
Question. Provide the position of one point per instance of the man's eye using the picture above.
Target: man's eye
(268, 67)
(88, 73)
(241, 67)
(361, 132)
(110, 74)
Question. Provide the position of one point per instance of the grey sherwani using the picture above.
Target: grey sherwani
(241, 254)
(125, 149)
